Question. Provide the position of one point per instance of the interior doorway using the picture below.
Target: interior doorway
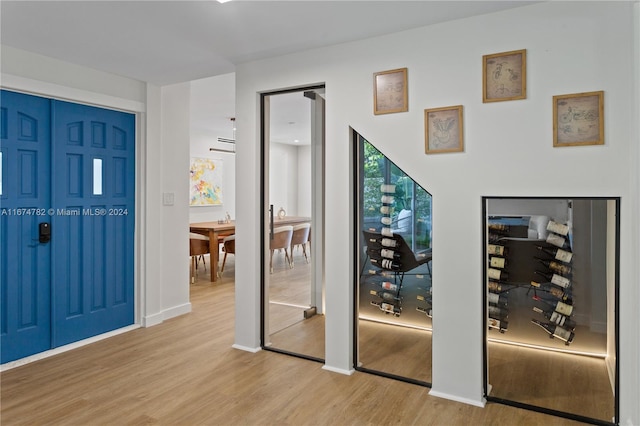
(293, 222)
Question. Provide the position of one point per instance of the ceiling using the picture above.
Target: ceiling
(165, 42)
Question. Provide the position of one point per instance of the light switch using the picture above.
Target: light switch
(167, 198)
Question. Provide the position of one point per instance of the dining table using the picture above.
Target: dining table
(217, 230)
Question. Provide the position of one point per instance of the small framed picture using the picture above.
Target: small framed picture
(578, 119)
(504, 76)
(443, 130)
(390, 91)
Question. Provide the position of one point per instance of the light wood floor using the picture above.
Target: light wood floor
(185, 372)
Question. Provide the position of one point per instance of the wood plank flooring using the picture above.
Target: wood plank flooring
(185, 372)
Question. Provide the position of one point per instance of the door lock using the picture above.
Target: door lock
(44, 232)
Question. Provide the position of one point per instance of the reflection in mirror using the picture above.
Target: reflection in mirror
(294, 311)
(394, 283)
(551, 294)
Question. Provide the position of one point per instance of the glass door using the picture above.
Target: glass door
(393, 292)
(551, 296)
(293, 272)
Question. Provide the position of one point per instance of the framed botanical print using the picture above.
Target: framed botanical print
(390, 91)
(578, 119)
(443, 130)
(504, 76)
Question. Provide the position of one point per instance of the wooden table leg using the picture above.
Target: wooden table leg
(214, 250)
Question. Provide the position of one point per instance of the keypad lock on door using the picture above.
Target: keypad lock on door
(44, 232)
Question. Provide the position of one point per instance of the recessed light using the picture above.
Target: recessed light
(223, 1)
(296, 141)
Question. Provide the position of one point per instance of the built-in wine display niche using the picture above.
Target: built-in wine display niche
(393, 291)
(551, 297)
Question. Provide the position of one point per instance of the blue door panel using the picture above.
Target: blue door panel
(102, 236)
(26, 266)
(81, 283)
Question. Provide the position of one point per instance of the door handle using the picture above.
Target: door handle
(271, 221)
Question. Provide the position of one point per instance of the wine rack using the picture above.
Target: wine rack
(383, 256)
(544, 268)
(497, 275)
(552, 286)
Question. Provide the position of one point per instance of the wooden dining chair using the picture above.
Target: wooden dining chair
(281, 240)
(300, 237)
(229, 247)
(198, 246)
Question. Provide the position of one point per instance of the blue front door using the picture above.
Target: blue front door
(25, 143)
(87, 191)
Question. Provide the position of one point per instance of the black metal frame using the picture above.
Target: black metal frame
(485, 354)
(263, 156)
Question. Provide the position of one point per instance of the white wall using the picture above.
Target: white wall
(283, 174)
(571, 47)
(175, 217)
(304, 181)
(212, 105)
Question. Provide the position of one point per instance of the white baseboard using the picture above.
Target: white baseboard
(338, 370)
(246, 348)
(65, 348)
(151, 320)
(158, 318)
(176, 311)
(481, 403)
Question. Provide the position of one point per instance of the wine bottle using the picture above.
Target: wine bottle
(557, 292)
(391, 264)
(387, 264)
(497, 312)
(558, 254)
(497, 262)
(556, 267)
(497, 250)
(385, 220)
(427, 311)
(498, 287)
(497, 274)
(384, 295)
(390, 254)
(557, 240)
(386, 210)
(385, 242)
(498, 324)
(497, 300)
(387, 188)
(389, 286)
(557, 318)
(498, 227)
(556, 331)
(388, 308)
(556, 279)
(558, 306)
(557, 228)
(387, 199)
(386, 231)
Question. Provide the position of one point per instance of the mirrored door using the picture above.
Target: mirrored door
(293, 272)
